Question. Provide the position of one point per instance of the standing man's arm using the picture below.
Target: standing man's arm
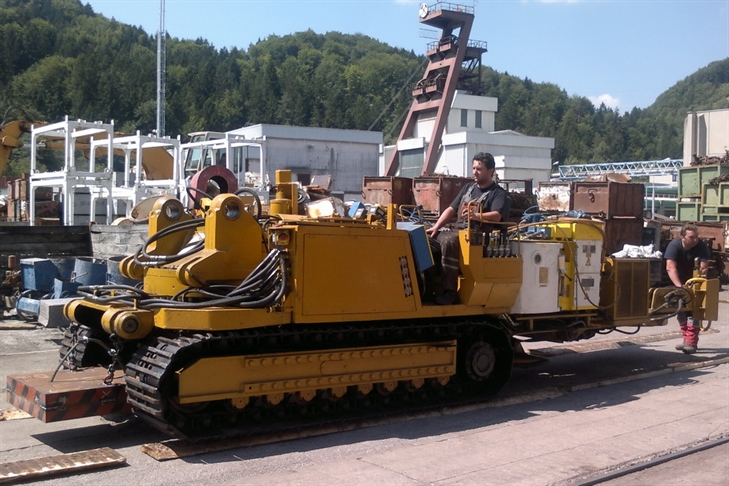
(672, 271)
(704, 258)
(704, 267)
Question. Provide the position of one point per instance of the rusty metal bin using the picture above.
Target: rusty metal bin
(436, 192)
(554, 196)
(609, 199)
(384, 190)
(622, 231)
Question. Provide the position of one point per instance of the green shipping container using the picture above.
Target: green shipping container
(714, 209)
(688, 211)
(714, 218)
(724, 194)
(710, 195)
(691, 179)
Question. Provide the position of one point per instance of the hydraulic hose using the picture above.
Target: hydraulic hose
(264, 286)
(671, 298)
(141, 257)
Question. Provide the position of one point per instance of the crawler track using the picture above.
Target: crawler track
(151, 385)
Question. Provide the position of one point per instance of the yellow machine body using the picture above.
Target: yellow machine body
(492, 282)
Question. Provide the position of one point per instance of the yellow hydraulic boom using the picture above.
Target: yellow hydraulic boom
(9, 139)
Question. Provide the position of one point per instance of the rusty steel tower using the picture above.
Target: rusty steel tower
(452, 61)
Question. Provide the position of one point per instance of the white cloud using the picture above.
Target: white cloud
(609, 100)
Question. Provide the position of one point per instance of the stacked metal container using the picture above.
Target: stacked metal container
(620, 204)
(433, 193)
(703, 196)
(18, 190)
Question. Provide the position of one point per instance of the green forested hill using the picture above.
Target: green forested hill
(60, 58)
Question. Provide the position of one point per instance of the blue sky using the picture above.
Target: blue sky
(621, 52)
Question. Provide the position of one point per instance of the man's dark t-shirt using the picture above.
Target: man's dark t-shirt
(685, 259)
(491, 198)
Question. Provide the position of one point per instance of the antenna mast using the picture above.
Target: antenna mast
(161, 71)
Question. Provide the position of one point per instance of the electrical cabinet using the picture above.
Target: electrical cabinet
(539, 292)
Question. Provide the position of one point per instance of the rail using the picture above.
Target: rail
(452, 7)
(472, 44)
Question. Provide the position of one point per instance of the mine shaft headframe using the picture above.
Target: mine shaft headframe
(434, 93)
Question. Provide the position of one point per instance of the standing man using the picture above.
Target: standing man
(680, 256)
(491, 204)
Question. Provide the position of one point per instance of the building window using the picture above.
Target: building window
(478, 119)
(411, 162)
(464, 118)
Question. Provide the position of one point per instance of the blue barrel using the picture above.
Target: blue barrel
(114, 276)
(65, 267)
(89, 271)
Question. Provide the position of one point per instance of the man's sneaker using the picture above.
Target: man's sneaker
(681, 346)
(688, 349)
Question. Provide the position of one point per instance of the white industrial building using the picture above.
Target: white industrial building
(469, 130)
(346, 155)
(705, 133)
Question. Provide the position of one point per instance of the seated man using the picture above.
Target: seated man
(483, 201)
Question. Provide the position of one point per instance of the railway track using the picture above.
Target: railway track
(632, 474)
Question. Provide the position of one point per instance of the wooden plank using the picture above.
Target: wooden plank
(60, 464)
(13, 413)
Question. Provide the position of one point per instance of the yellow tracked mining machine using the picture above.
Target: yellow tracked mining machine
(242, 319)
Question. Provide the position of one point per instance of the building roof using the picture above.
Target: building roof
(308, 133)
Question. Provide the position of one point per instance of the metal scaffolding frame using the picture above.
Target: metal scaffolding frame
(642, 168)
